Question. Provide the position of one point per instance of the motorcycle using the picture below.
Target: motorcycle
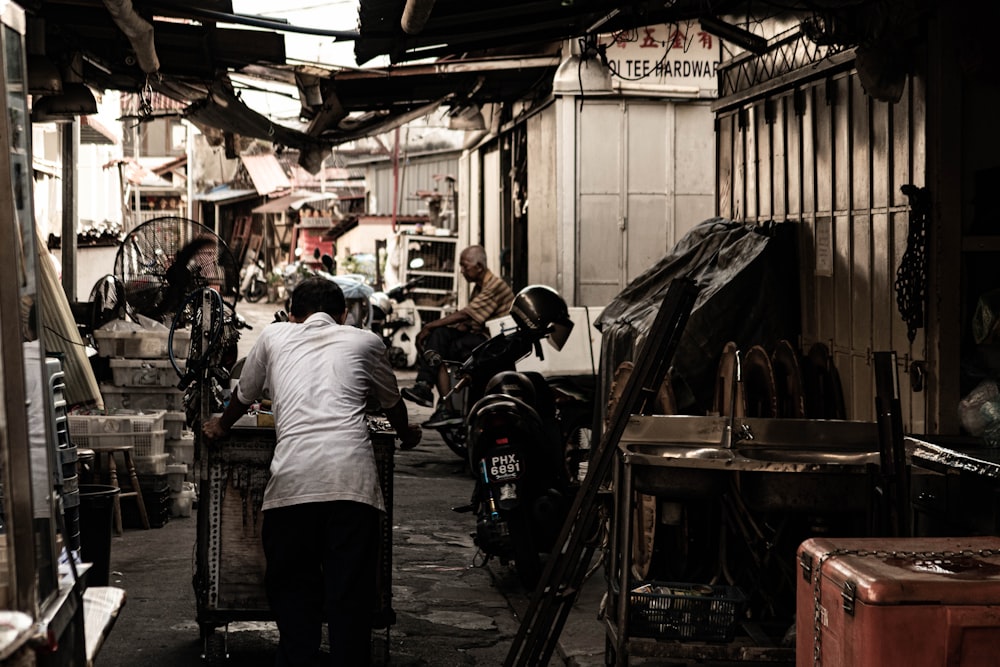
(357, 293)
(253, 281)
(396, 319)
(528, 438)
(573, 395)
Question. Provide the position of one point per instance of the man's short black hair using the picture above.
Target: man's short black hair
(317, 295)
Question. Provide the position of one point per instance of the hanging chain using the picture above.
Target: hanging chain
(911, 276)
(146, 99)
(820, 619)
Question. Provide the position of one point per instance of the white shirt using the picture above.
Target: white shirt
(320, 374)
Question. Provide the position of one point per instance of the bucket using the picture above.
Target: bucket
(97, 511)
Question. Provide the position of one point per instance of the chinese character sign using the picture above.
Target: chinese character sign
(679, 58)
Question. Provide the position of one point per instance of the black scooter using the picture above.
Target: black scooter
(528, 463)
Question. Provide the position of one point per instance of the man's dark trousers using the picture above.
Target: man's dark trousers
(452, 344)
(321, 566)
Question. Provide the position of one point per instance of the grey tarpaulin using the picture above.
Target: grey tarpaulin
(748, 282)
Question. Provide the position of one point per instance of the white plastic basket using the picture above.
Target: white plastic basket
(150, 465)
(144, 372)
(142, 398)
(112, 430)
(181, 450)
(143, 444)
(174, 421)
(145, 344)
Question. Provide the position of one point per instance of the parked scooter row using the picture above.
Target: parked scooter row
(395, 317)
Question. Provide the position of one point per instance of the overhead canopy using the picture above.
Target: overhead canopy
(488, 51)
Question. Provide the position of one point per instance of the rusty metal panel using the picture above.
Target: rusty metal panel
(840, 109)
(600, 165)
(543, 229)
(843, 296)
(822, 130)
(859, 387)
(649, 144)
(647, 231)
(779, 158)
(861, 282)
(918, 131)
(808, 143)
(762, 159)
(649, 185)
(793, 159)
(902, 159)
(752, 164)
(883, 276)
(694, 163)
(739, 166)
(880, 148)
(724, 182)
(600, 249)
(860, 147)
(824, 294)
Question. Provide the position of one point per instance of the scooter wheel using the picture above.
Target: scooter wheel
(256, 291)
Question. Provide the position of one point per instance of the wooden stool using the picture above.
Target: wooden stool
(136, 492)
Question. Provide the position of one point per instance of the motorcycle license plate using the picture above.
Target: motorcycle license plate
(503, 467)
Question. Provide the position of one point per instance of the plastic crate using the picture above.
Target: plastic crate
(181, 450)
(144, 372)
(143, 444)
(174, 421)
(145, 344)
(155, 464)
(685, 611)
(114, 429)
(142, 398)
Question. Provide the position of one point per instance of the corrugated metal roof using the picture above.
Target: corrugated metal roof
(224, 193)
(266, 173)
(93, 131)
(292, 202)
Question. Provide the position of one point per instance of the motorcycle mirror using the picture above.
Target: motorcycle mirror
(316, 253)
(327, 261)
(417, 263)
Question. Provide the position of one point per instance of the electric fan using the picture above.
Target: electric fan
(107, 302)
(164, 259)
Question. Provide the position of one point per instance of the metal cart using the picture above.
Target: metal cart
(230, 564)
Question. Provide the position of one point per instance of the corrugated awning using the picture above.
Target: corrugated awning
(292, 202)
(93, 131)
(224, 193)
(266, 173)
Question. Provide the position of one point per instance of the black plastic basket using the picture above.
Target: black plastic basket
(685, 611)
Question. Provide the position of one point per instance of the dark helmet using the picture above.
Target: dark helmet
(513, 384)
(540, 309)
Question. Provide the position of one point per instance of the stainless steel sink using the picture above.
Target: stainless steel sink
(778, 464)
(812, 457)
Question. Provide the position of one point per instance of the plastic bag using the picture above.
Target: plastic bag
(979, 411)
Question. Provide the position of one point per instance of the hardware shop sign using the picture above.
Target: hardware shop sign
(674, 58)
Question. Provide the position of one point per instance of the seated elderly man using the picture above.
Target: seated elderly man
(456, 335)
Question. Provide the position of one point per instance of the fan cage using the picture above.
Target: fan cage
(149, 250)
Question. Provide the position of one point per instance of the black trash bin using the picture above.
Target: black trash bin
(97, 511)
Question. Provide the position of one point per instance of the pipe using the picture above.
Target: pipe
(139, 33)
(415, 15)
